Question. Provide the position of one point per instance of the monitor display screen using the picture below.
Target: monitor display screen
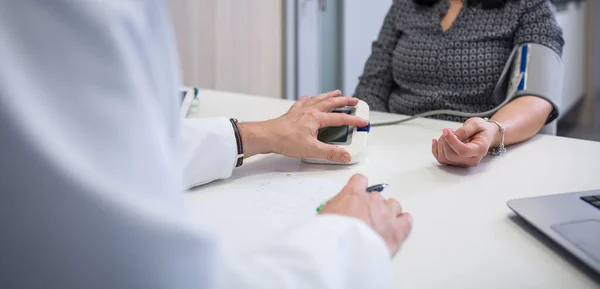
(335, 134)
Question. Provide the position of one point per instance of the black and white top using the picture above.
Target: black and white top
(415, 66)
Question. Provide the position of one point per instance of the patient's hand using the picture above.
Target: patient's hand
(466, 146)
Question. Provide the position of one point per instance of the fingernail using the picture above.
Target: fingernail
(410, 218)
(433, 141)
(445, 132)
(346, 158)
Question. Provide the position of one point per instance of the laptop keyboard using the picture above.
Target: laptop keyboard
(592, 200)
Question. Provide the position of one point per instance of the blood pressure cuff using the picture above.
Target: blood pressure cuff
(533, 70)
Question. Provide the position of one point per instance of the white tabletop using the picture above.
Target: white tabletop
(464, 235)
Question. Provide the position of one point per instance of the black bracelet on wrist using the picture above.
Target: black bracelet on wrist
(238, 140)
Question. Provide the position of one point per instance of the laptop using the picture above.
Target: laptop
(571, 220)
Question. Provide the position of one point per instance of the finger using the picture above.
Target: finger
(330, 152)
(404, 224)
(460, 148)
(340, 119)
(315, 99)
(300, 102)
(332, 103)
(357, 184)
(446, 154)
(449, 153)
(477, 145)
(394, 206)
(480, 142)
(453, 159)
(434, 150)
(440, 149)
(376, 200)
(471, 127)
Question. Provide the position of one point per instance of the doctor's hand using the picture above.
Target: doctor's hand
(294, 134)
(468, 145)
(384, 216)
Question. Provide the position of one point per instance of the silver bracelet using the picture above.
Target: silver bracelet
(500, 150)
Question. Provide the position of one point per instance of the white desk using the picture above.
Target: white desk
(464, 235)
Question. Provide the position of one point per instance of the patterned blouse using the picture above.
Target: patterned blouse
(415, 66)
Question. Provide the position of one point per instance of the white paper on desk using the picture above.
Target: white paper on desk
(245, 219)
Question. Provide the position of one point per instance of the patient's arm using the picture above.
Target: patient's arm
(525, 116)
(522, 118)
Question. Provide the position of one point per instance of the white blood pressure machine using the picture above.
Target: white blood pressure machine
(352, 139)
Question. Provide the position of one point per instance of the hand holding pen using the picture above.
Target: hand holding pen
(376, 188)
(385, 216)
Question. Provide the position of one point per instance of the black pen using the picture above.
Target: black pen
(376, 188)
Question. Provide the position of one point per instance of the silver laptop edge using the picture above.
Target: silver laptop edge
(568, 220)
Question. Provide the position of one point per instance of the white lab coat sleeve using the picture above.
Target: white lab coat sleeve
(209, 150)
(329, 252)
(89, 151)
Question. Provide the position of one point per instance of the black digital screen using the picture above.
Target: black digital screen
(335, 134)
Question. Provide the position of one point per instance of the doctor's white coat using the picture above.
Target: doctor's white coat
(94, 159)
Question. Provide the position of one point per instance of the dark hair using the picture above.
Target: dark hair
(485, 4)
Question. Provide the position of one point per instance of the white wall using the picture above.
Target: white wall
(194, 25)
(362, 21)
(573, 22)
(231, 45)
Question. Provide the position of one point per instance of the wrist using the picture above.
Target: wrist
(255, 138)
(494, 134)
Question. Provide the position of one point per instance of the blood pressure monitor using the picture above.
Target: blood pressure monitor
(352, 139)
